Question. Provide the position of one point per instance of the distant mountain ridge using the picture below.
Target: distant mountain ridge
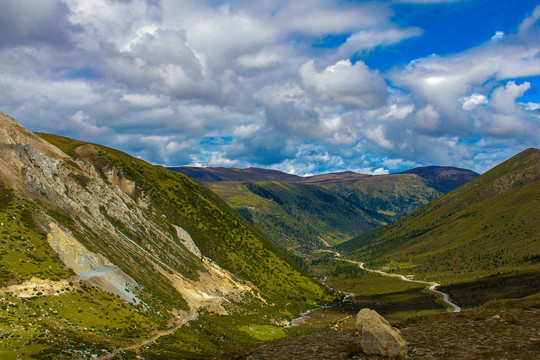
(325, 209)
(212, 174)
(488, 225)
(443, 178)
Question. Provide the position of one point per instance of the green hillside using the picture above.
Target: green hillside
(489, 225)
(323, 210)
(216, 229)
(296, 214)
(101, 251)
(389, 196)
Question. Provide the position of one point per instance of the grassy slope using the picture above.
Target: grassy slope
(296, 213)
(490, 224)
(391, 196)
(331, 208)
(51, 327)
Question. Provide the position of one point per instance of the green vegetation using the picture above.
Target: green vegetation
(511, 285)
(296, 214)
(84, 322)
(220, 233)
(323, 210)
(264, 332)
(395, 298)
(389, 196)
(487, 226)
(24, 251)
(81, 321)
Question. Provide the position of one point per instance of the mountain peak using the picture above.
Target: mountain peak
(11, 132)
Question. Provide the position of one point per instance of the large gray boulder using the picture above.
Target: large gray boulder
(377, 336)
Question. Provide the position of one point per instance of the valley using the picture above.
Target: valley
(107, 256)
(325, 210)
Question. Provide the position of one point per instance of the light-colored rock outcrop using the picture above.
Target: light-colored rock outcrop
(38, 287)
(186, 239)
(94, 269)
(377, 336)
(11, 132)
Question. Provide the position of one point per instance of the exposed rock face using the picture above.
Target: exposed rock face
(377, 336)
(95, 269)
(186, 239)
(117, 231)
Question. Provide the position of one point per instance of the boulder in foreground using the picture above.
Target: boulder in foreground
(377, 336)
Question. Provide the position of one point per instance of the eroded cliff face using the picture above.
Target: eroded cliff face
(103, 228)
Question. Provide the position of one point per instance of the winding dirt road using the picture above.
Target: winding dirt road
(148, 341)
(432, 285)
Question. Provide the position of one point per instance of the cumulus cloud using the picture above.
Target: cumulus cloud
(345, 83)
(81, 123)
(464, 88)
(249, 84)
(472, 101)
(43, 22)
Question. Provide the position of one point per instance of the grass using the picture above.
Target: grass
(85, 321)
(219, 232)
(263, 332)
(295, 214)
(24, 251)
(512, 285)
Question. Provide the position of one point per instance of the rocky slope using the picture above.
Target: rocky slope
(99, 250)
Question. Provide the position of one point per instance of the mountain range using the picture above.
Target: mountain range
(328, 209)
(103, 255)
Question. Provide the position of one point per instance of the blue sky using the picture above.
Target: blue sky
(300, 86)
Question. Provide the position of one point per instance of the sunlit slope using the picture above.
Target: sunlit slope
(388, 196)
(489, 224)
(218, 231)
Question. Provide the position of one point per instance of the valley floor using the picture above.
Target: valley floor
(482, 333)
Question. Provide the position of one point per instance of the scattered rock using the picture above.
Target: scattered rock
(377, 336)
(495, 317)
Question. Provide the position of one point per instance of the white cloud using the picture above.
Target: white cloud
(428, 119)
(472, 101)
(369, 39)
(259, 60)
(530, 106)
(380, 171)
(503, 99)
(377, 135)
(218, 159)
(179, 81)
(498, 35)
(345, 83)
(145, 100)
(83, 124)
